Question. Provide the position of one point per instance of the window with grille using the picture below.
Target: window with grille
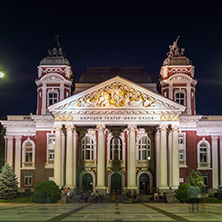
(28, 179)
(116, 149)
(28, 152)
(203, 153)
(144, 148)
(182, 146)
(52, 98)
(87, 148)
(180, 97)
(51, 146)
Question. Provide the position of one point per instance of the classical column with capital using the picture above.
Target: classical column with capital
(214, 161)
(18, 157)
(101, 160)
(157, 158)
(163, 157)
(131, 171)
(9, 150)
(175, 158)
(74, 156)
(69, 157)
(58, 155)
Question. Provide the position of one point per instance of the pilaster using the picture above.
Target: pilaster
(157, 158)
(18, 157)
(9, 150)
(214, 162)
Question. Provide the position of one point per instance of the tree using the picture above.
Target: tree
(195, 179)
(8, 183)
(46, 192)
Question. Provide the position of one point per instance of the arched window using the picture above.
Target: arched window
(116, 149)
(144, 148)
(28, 150)
(203, 149)
(88, 148)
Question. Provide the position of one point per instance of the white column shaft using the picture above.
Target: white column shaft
(74, 157)
(58, 157)
(44, 97)
(132, 159)
(170, 158)
(101, 157)
(215, 161)
(63, 160)
(69, 157)
(10, 150)
(157, 159)
(18, 158)
(188, 99)
(175, 158)
(163, 158)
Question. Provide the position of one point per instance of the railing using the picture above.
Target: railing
(122, 163)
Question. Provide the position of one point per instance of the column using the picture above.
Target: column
(44, 96)
(10, 150)
(131, 176)
(189, 111)
(175, 157)
(220, 160)
(63, 160)
(214, 162)
(74, 157)
(69, 157)
(18, 157)
(101, 159)
(170, 157)
(58, 155)
(163, 158)
(157, 158)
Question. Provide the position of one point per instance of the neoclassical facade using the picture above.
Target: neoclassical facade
(118, 130)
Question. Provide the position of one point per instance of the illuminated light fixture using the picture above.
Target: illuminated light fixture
(1, 74)
(148, 158)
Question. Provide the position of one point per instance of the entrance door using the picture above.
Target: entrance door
(87, 182)
(144, 184)
(116, 183)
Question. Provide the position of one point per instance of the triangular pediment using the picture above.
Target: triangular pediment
(114, 95)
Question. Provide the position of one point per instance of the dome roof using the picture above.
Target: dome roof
(54, 60)
(181, 60)
(101, 74)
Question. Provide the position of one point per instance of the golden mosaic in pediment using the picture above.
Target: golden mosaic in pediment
(115, 95)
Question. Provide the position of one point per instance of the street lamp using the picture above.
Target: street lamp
(1, 74)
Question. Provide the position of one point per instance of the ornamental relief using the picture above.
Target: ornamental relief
(115, 95)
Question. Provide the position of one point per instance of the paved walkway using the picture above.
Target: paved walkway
(109, 212)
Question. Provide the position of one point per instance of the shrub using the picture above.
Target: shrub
(46, 192)
(214, 200)
(182, 193)
(211, 194)
(195, 179)
(8, 183)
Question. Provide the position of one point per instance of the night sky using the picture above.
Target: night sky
(107, 33)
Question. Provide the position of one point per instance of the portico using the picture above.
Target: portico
(145, 132)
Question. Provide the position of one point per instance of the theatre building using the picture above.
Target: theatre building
(117, 129)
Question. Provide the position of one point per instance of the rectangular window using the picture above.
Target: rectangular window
(180, 97)
(50, 148)
(28, 179)
(182, 146)
(205, 178)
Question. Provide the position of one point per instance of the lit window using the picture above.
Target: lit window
(180, 97)
(144, 148)
(87, 148)
(28, 179)
(51, 146)
(116, 148)
(52, 98)
(28, 152)
(182, 147)
(205, 178)
(203, 154)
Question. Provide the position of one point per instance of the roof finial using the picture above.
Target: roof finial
(57, 40)
(174, 50)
